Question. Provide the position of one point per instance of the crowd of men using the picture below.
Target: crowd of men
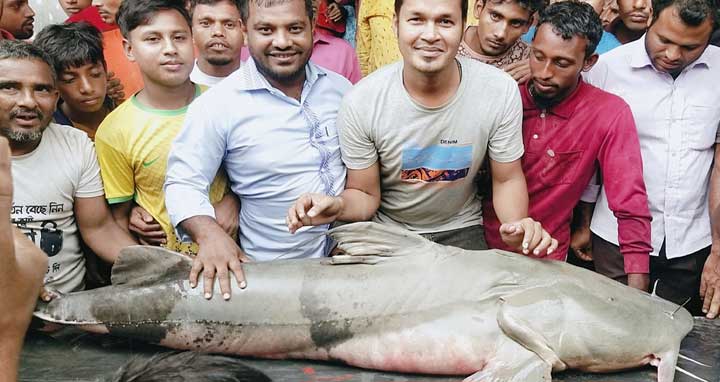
(236, 131)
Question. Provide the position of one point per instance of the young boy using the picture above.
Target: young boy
(77, 55)
(134, 140)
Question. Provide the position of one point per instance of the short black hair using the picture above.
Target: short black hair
(134, 13)
(71, 45)
(463, 8)
(20, 50)
(692, 12)
(188, 366)
(574, 18)
(531, 5)
(194, 3)
(245, 7)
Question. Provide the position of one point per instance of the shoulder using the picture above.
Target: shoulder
(485, 78)
(332, 79)
(120, 119)
(376, 83)
(603, 101)
(67, 136)
(712, 53)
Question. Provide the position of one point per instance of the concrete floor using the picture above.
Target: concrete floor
(74, 356)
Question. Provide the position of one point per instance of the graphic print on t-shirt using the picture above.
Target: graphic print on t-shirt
(437, 163)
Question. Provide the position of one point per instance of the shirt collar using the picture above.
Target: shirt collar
(5, 35)
(640, 58)
(251, 79)
(320, 37)
(564, 109)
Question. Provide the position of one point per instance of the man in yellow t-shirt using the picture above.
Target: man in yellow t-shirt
(134, 140)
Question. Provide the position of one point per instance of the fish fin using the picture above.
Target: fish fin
(668, 363)
(513, 363)
(513, 318)
(368, 239)
(143, 265)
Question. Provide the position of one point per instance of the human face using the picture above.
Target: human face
(500, 25)
(635, 14)
(163, 49)
(27, 99)
(555, 65)
(18, 18)
(83, 88)
(108, 9)
(217, 32)
(673, 45)
(280, 39)
(72, 7)
(429, 34)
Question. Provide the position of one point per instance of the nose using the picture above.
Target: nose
(218, 30)
(29, 11)
(500, 31)
(672, 53)
(282, 40)
(169, 47)
(545, 73)
(85, 86)
(429, 32)
(26, 99)
(639, 4)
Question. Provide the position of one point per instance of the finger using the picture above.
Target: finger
(293, 220)
(513, 66)
(581, 254)
(536, 237)
(208, 281)
(544, 244)
(224, 278)
(553, 246)
(703, 285)
(527, 236)
(715, 306)
(236, 269)
(195, 272)
(509, 229)
(302, 205)
(707, 300)
(320, 207)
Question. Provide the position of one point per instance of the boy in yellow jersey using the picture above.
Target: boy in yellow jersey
(134, 140)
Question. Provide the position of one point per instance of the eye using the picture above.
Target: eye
(152, 39)
(517, 24)
(8, 88)
(204, 23)
(562, 64)
(264, 30)
(446, 22)
(230, 25)
(494, 16)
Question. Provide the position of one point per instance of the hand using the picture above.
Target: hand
(227, 213)
(581, 244)
(519, 71)
(115, 89)
(218, 252)
(710, 284)
(146, 228)
(334, 13)
(639, 281)
(313, 209)
(529, 236)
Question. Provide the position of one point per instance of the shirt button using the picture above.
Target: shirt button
(542, 115)
(551, 153)
(535, 136)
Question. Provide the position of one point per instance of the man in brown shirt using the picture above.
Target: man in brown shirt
(496, 39)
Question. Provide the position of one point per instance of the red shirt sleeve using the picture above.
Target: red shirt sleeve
(622, 172)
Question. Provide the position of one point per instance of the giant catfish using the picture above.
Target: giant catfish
(393, 301)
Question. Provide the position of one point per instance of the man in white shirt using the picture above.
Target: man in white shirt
(271, 124)
(218, 38)
(669, 79)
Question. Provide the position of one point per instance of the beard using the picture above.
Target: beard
(22, 137)
(218, 60)
(277, 76)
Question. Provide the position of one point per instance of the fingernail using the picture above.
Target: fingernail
(550, 251)
(311, 214)
(243, 284)
(536, 252)
(526, 244)
(192, 285)
(207, 296)
(525, 251)
(226, 296)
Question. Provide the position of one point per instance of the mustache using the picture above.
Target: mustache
(34, 113)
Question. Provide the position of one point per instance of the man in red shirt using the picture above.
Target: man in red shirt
(571, 127)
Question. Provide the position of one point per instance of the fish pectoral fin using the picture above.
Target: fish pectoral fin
(346, 259)
(514, 318)
(518, 365)
(374, 239)
(143, 265)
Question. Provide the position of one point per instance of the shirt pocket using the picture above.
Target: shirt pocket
(701, 126)
(557, 168)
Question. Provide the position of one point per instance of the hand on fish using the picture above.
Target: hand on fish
(710, 284)
(528, 236)
(218, 254)
(313, 209)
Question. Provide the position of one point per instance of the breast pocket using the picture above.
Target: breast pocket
(701, 125)
(556, 168)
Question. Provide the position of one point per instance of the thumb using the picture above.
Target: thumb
(319, 207)
(511, 229)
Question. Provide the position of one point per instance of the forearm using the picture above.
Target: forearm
(107, 239)
(582, 215)
(202, 228)
(714, 203)
(357, 206)
(510, 199)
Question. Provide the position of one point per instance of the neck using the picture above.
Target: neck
(434, 89)
(218, 70)
(17, 148)
(167, 97)
(90, 120)
(625, 35)
(291, 88)
(548, 103)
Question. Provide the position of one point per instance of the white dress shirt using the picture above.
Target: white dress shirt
(677, 122)
(273, 147)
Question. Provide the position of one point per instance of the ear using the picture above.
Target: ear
(590, 62)
(127, 48)
(479, 4)
(395, 23)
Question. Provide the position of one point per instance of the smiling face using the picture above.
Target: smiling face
(217, 32)
(27, 99)
(72, 7)
(500, 25)
(672, 45)
(429, 34)
(162, 48)
(280, 39)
